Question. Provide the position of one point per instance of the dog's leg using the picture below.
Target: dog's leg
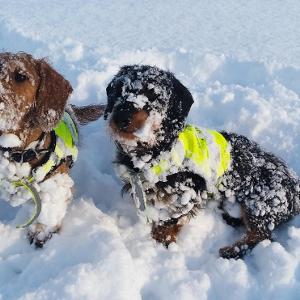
(234, 222)
(166, 233)
(245, 244)
(39, 234)
(55, 194)
(252, 237)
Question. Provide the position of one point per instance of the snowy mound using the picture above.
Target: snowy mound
(241, 63)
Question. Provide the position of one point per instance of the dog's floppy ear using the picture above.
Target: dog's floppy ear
(110, 100)
(52, 95)
(113, 91)
(181, 101)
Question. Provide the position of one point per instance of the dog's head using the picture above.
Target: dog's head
(32, 93)
(147, 108)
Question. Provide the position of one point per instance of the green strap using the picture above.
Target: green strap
(36, 200)
(66, 143)
(66, 130)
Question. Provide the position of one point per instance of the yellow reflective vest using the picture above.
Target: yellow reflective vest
(66, 146)
(203, 151)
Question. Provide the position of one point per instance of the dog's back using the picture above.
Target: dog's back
(266, 188)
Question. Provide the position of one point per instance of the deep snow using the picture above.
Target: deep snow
(241, 61)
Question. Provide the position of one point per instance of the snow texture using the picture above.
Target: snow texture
(54, 204)
(241, 62)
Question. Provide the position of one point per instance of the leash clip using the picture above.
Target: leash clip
(139, 195)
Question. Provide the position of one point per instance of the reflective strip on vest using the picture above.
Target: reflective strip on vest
(67, 132)
(66, 143)
(223, 152)
(197, 146)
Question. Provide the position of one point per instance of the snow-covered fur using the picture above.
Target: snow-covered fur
(147, 108)
(55, 193)
(32, 101)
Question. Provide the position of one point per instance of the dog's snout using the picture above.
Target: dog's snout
(122, 118)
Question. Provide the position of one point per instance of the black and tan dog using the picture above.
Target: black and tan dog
(172, 169)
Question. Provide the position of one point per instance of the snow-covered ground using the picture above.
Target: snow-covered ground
(241, 61)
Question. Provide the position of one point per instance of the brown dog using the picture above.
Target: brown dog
(38, 140)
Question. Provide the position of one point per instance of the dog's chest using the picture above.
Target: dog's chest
(10, 174)
(162, 200)
(164, 195)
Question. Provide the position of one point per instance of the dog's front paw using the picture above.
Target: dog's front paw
(39, 234)
(234, 251)
(165, 234)
(37, 239)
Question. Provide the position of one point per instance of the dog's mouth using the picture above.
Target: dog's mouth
(126, 125)
(141, 127)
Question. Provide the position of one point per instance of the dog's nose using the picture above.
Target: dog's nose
(122, 118)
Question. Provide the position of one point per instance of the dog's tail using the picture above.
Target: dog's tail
(89, 113)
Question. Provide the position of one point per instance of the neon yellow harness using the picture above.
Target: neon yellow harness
(206, 149)
(203, 151)
(66, 146)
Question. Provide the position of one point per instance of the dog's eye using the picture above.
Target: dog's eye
(19, 77)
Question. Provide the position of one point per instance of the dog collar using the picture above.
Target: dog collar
(27, 155)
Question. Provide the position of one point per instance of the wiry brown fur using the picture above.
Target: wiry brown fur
(40, 101)
(44, 95)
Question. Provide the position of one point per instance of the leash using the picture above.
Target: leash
(25, 156)
(138, 192)
(62, 148)
(139, 195)
(35, 198)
